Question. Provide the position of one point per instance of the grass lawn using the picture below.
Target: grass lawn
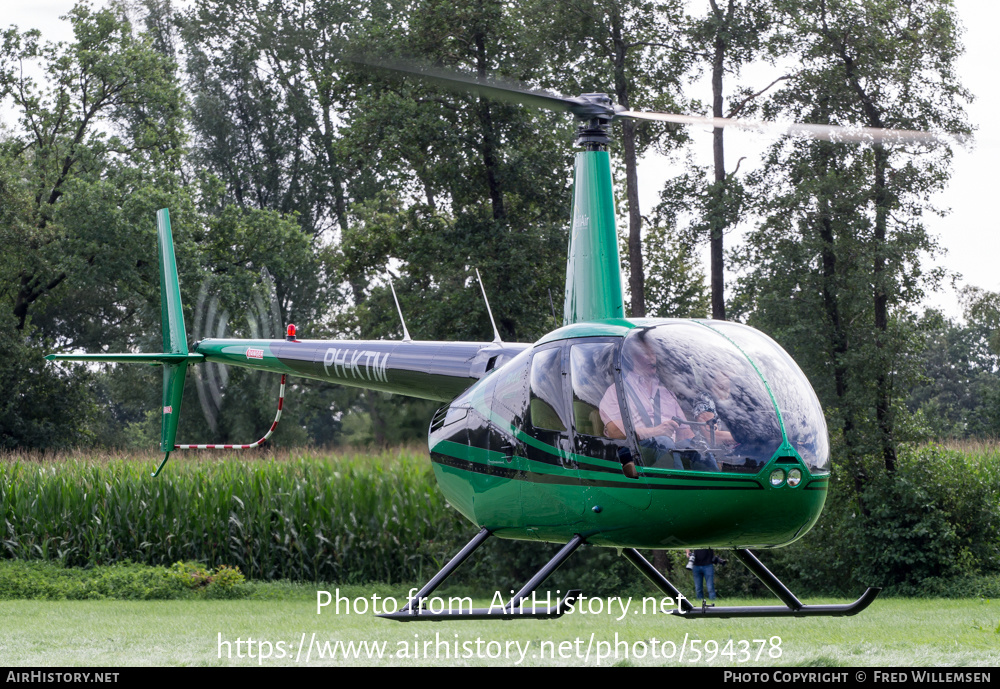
(892, 632)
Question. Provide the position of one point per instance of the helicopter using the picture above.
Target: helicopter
(609, 431)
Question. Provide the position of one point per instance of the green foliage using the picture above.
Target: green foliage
(125, 580)
(37, 399)
(93, 154)
(96, 145)
(958, 393)
(932, 522)
(221, 582)
(675, 283)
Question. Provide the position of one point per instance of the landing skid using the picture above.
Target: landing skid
(414, 611)
(792, 606)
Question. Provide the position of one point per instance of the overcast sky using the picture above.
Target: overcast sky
(970, 233)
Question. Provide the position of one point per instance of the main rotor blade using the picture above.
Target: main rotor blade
(826, 132)
(497, 89)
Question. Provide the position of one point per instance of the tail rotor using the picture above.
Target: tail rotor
(260, 319)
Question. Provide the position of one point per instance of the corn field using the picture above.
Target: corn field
(349, 518)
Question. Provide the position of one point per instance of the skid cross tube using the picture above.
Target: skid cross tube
(659, 581)
(446, 571)
(414, 612)
(544, 573)
(792, 607)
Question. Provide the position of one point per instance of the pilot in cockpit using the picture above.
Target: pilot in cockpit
(653, 408)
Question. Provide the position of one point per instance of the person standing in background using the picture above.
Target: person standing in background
(703, 570)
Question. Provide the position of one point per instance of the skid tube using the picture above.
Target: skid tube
(414, 611)
(792, 606)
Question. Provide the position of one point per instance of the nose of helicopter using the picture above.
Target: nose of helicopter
(767, 512)
(761, 511)
(748, 465)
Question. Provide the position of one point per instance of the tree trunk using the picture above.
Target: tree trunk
(883, 401)
(661, 561)
(637, 276)
(489, 136)
(719, 160)
(880, 296)
(838, 340)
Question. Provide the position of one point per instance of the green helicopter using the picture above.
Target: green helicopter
(610, 431)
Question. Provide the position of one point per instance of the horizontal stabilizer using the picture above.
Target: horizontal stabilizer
(160, 358)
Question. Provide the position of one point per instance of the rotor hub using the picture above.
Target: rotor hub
(596, 110)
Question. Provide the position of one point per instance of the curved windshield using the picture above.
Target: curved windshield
(694, 401)
(800, 409)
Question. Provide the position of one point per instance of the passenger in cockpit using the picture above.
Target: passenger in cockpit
(705, 410)
(653, 409)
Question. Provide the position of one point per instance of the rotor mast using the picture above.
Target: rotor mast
(593, 265)
(595, 112)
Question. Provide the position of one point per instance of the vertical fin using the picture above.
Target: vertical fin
(174, 334)
(171, 310)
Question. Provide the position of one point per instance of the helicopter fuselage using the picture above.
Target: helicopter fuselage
(521, 448)
(528, 456)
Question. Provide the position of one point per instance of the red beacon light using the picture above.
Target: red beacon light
(290, 334)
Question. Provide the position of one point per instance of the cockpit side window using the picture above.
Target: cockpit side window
(547, 401)
(595, 404)
(591, 370)
(510, 396)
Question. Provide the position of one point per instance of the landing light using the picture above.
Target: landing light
(794, 477)
(777, 477)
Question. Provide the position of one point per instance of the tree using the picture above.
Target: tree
(675, 284)
(105, 134)
(98, 148)
(727, 37)
(92, 155)
(638, 45)
(958, 393)
(266, 108)
(835, 267)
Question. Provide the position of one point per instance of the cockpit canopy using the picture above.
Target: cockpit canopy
(681, 395)
(717, 395)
